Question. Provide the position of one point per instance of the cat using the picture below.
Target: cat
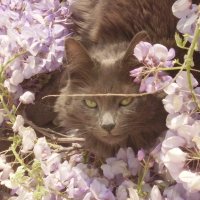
(99, 61)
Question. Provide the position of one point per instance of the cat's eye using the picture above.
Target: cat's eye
(90, 103)
(126, 101)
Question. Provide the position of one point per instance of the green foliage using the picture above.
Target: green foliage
(40, 192)
(180, 42)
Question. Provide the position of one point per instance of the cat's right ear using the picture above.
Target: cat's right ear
(141, 36)
(79, 63)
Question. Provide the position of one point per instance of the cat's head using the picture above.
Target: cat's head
(107, 121)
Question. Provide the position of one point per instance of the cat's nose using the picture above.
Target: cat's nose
(108, 127)
(107, 122)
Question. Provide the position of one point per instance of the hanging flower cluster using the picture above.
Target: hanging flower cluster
(153, 58)
(32, 35)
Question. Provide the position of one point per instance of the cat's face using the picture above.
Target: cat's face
(112, 120)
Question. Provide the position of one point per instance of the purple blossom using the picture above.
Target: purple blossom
(53, 161)
(141, 154)
(174, 161)
(188, 15)
(100, 191)
(41, 149)
(152, 58)
(181, 8)
(113, 167)
(43, 27)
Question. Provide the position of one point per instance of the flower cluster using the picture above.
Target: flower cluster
(177, 157)
(52, 177)
(153, 58)
(32, 35)
(188, 15)
(179, 152)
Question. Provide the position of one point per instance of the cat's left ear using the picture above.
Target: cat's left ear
(141, 36)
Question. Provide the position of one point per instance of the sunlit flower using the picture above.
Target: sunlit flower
(27, 97)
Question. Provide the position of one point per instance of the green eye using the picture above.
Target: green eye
(90, 103)
(126, 101)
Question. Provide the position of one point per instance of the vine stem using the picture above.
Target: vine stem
(142, 176)
(6, 109)
(4, 66)
(59, 193)
(22, 164)
(167, 69)
(189, 60)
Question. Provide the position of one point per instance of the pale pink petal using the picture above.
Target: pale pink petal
(171, 54)
(155, 193)
(172, 88)
(17, 77)
(161, 52)
(27, 98)
(195, 183)
(18, 122)
(177, 103)
(182, 80)
(172, 142)
(107, 171)
(133, 195)
(187, 176)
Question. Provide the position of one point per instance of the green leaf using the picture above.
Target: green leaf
(40, 191)
(36, 165)
(14, 109)
(25, 178)
(19, 174)
(176, 61)
(180, 43)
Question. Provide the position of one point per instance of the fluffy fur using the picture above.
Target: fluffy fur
(100, 63)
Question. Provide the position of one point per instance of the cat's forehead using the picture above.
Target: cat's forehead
(108, 54)
(111, 80)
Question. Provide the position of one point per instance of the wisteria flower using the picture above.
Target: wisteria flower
(155, 193)
(133, 194)
(181, 8)
(174, 160)
(53, 161)
(27, 97)
(41, 149)
(153, 58)
(100, 191)
(28, 136)
(113, 167)
(18, 122)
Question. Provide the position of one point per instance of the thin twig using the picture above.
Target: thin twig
(47, 132)
(66, 149)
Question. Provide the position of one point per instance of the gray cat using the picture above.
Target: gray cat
(99, 60)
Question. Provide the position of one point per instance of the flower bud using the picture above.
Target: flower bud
(27, 97)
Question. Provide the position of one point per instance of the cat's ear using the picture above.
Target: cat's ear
(141, 36)
(79, 63)
(76, 53)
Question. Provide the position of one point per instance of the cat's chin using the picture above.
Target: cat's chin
(113, 140)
